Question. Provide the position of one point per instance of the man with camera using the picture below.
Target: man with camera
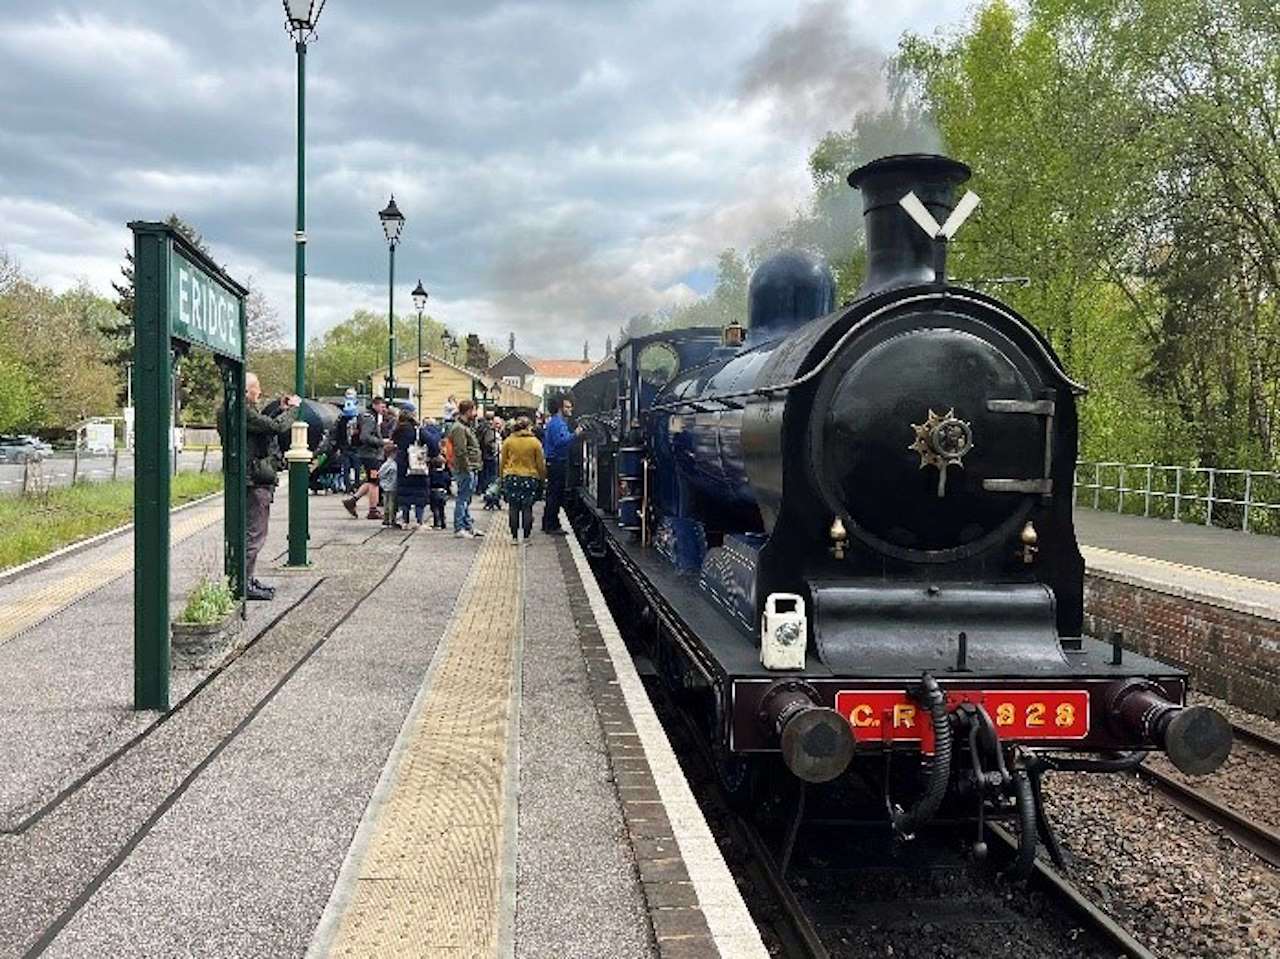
(263, 461)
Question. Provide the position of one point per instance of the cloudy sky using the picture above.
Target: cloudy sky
(562, 164)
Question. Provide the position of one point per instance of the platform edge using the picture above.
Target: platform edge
(732, 929)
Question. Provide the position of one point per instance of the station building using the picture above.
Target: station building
(442, 378)
(545, 378)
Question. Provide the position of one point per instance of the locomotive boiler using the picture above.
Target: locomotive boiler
(849, 529)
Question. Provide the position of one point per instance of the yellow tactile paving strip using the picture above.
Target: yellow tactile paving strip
(430, 882)
(38, 604)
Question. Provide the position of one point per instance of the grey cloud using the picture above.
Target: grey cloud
(561, 164)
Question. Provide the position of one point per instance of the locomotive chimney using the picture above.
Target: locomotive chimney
(899, 252)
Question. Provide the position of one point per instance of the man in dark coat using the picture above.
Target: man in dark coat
(489, 446)
(263, 436)
(370, 435)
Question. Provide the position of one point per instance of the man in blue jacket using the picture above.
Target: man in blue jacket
(557, 441)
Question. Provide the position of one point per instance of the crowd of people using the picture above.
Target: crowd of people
(401, 467)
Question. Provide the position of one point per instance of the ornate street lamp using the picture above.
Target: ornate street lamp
(301, 17)
(420, 295)
(392, 223)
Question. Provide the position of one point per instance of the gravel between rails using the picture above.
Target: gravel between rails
(919, 911)
(1247, 782)
(1237, 715)
(1183, 888)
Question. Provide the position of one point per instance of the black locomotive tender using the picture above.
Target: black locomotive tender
(849, 532)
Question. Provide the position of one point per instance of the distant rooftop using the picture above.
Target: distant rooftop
(561, 368)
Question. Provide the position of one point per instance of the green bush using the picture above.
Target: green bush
(209, 602)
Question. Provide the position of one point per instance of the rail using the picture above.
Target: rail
(1247, 500)
(1258, 837)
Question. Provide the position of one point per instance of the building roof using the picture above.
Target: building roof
(428, 356)
(510, 395)
(561, 369)
(608, 363)
(508, 360)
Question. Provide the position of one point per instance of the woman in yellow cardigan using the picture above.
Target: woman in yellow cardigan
(524, 471)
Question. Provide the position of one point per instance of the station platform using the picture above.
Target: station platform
(1240, 571)
(428, 746)
(1204, 599)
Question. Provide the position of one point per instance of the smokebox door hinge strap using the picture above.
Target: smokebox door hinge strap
(1048, 410)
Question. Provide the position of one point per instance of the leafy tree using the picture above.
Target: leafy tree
(357, 347)
(18, 399)
(1126, 156)
(274, 369)
(262, 323)
(51, 355)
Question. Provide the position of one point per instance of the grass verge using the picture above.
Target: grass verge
(31, 526)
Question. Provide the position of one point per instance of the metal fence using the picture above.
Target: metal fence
(1247, 500)
(35, 477)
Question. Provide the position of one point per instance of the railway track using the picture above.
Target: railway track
(1260, 838)
(954, 895)
(1256, 738)
(807, 932)
(1070, 896)
(842, 895)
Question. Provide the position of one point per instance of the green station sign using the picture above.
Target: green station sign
(182, 300)
(202, 310)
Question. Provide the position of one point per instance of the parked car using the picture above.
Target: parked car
(22, 449)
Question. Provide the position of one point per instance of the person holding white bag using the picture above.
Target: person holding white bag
(413, 454)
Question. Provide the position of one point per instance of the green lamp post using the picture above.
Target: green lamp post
(301, 17)
(419, 295)
(392, 223)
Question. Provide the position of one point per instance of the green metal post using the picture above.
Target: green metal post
(418, 398)
(234, 480)
(151, 488)
(391, 325)
(299, 472)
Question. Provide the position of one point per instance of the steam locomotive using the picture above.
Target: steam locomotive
(849, 531)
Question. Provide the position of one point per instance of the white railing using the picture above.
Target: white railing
(1234, 498)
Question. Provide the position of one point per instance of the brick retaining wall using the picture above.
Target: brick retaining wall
(1230, 654)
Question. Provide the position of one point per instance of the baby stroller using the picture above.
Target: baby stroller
(493, 497)
(327, 475)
